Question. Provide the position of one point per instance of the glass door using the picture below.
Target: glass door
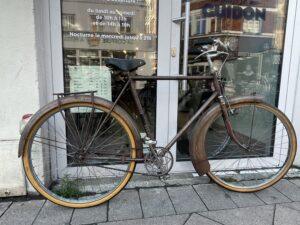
(255, 32)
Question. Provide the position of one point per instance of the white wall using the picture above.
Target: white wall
(18, 87)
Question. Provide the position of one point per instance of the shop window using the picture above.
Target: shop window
(104, 29)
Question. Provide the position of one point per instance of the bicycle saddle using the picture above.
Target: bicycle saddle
(125, 65)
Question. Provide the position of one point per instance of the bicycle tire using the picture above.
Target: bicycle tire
(123, 120)
(258, 168)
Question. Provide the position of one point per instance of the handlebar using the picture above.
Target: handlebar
(210, 48)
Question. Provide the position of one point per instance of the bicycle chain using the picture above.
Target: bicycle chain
(127, 171)
(162, 177)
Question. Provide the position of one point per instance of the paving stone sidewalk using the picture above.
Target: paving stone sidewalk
(189, 203)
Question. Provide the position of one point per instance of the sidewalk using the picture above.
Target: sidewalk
(190, 201)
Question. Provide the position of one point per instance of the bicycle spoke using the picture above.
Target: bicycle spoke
(86, 154)
(267, 150)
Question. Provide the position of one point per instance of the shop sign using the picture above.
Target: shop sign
(109, 36)
(234, 12)
(142, 41)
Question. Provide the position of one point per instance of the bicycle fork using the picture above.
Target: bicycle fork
(224, 109)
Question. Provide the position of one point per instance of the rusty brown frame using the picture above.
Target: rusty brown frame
(216, 95)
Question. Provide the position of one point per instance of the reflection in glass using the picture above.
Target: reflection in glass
(255, 32)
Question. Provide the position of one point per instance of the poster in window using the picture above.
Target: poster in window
(91, 78)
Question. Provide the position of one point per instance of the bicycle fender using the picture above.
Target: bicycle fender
(198, 155)
(86, 98)
(31, 122)
(22, 140)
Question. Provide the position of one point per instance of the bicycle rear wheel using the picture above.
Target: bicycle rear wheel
(79, 155)
(269, 140)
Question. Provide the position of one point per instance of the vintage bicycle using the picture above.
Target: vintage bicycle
(81, 150)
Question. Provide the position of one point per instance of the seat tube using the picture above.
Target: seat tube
(142, 113)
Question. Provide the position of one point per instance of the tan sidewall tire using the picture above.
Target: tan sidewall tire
(284, 170)
(42, 191)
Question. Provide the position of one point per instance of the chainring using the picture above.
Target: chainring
(159, 165)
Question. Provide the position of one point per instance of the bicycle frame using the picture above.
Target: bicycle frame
(217, 94)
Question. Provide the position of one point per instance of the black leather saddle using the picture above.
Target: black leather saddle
(125, 65)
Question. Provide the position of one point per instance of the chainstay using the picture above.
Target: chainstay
(134, 172)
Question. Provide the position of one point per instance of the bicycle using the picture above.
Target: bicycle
(81, 150)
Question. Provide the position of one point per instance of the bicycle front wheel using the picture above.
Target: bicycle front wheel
(269, 146)
(79, 154)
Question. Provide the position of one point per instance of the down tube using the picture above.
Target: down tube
(189, 123)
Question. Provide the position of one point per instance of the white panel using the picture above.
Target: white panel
(43, 48)
(164, 38)
(290, 72)
(296, 73)
(57, 69)
(173, 104)
(289, 69)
